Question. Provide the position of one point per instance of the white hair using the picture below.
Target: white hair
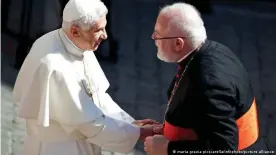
(185, 20)
(87, 21)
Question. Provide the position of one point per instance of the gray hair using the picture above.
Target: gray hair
(185, 20)
(87, 21)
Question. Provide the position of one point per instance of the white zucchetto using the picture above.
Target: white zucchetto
(77, 9)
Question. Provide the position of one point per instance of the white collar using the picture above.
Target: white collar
(185, 56)
(196, 49)
(69, 45)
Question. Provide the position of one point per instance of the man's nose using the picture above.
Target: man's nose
(152, 36)
(104, 35)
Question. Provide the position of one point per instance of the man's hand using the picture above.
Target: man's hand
(146, 122)
(148, 127)
(145, 131)
(156, 145)
(158, 129)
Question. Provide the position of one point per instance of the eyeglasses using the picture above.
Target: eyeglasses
(155, 33)
(166, 38)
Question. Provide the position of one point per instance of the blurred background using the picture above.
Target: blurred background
(138, 79)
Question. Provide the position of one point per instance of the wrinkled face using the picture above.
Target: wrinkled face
(168, 48)
(91, 39)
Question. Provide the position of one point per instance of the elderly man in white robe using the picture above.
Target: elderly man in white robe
(61, 91)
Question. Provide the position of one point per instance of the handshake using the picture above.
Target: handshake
(149, 127)
(151, 132)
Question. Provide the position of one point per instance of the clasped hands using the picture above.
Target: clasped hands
(151, 132)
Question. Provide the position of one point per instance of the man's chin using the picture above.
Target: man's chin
(162, 58)
(165, 60)
(95, 48)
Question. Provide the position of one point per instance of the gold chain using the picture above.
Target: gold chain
(176, 86)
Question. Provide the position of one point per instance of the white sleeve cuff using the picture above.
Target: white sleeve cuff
(111, 134)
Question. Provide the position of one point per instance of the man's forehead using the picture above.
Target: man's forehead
(161, 23)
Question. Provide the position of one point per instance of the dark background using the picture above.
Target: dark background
(138, 79)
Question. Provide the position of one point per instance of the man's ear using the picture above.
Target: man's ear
(179, 44)
(75, 31)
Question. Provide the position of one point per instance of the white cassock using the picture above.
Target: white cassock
(61, 92)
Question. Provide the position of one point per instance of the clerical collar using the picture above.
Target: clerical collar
(186, 58)
(69, 45)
